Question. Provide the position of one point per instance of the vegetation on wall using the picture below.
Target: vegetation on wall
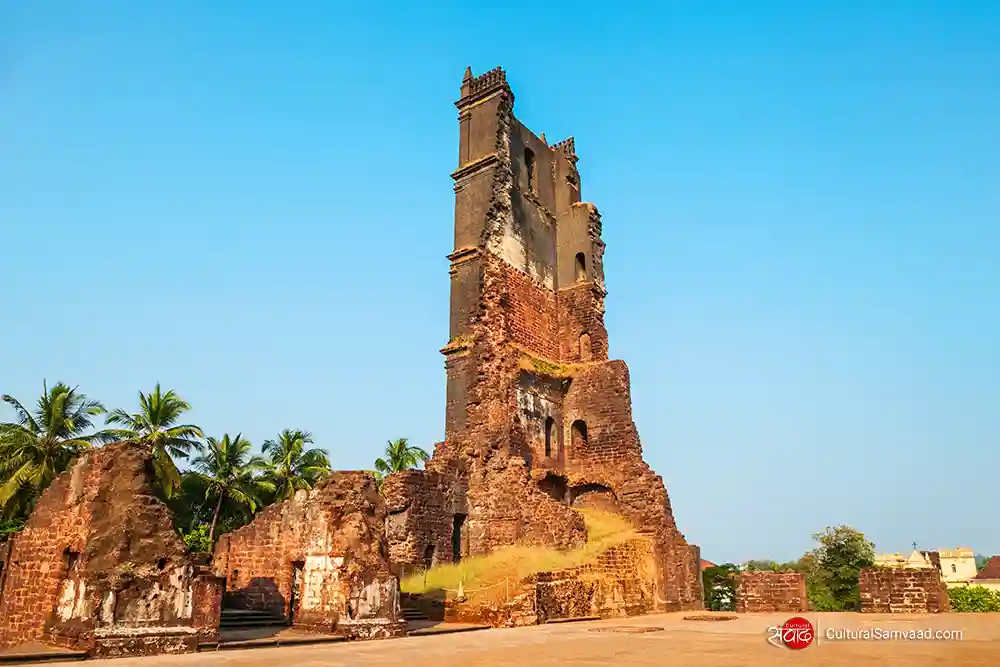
(497, 575)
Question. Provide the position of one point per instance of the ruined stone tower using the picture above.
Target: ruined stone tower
(538, 420)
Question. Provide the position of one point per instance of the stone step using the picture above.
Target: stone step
(41, 657)
(411, 614)
(245, 613)
(258, 622)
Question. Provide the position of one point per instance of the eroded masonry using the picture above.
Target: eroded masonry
(100, 568)
(539, 420)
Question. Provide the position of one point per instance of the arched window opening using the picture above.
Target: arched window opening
(581, 267)
(550, 424)
(529, 165)
(579, 438)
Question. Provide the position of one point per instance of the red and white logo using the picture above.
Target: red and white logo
(796, 633)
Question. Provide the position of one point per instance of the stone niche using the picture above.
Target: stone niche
(902, 590)
(765, 591)
(100, 567)
(319, 559)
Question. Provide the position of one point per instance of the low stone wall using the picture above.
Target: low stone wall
(902, 591)
(620, 582)
(770, 592)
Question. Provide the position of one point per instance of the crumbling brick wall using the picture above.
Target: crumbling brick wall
(902, 590)
(320, 558)
(100, 567)
(765, 591)
(421, 509)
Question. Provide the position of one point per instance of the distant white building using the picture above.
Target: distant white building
(917, 559)
(957, 566)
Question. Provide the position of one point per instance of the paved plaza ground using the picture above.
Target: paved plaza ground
(616, 642)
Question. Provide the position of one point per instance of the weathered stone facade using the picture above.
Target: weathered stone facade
(900, 590)
(538, 419)
(619, 582)
(319, 559)
(764, 591)
(99, 566)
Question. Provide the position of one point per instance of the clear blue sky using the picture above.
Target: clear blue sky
(251, 203)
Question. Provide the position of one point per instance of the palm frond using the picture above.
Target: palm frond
(15, 482)
(24, 417)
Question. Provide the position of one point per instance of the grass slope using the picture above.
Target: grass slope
(492, 575)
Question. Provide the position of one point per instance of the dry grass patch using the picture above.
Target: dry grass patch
(500, 572)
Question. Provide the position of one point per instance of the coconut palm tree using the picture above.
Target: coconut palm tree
(291, 465)
(229, 472)
(155, 427)
(400, 455)
(42, 443)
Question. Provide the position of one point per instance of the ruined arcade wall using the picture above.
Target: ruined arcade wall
(320, 558)
(764, 591)
(902, 590)
(99, 566)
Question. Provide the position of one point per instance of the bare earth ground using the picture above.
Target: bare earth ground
(734, 643)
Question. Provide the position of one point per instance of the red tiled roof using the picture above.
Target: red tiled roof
(992, 569)
(706, 564)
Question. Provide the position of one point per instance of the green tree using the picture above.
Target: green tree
(291, 466)
(759, 564)
(155, 427)
(399, 455)
(41, 444)
(719, 585)
(228, 471)
(834, 567)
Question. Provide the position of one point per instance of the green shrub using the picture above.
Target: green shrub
(974, 598)
(198, 540)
